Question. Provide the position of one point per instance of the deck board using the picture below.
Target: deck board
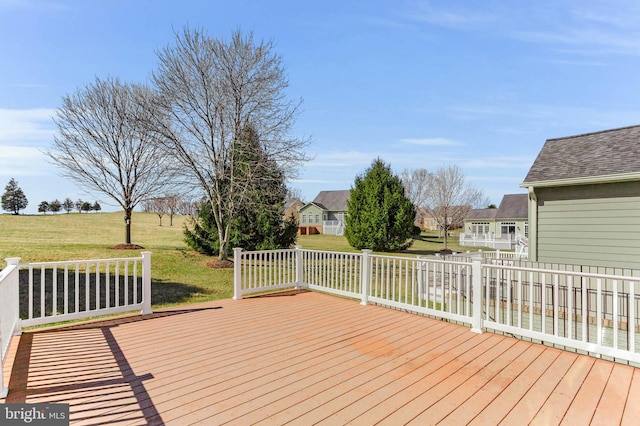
(308, 358)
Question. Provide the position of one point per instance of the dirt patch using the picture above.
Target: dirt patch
(127, 247)
(220, 264)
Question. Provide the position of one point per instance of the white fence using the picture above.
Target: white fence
(9, 319)
(76, 289)
(333, 227)
(584, 311)
(505, 242)
(49, 292)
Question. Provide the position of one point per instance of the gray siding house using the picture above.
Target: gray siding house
(325, 214)
(584, 200)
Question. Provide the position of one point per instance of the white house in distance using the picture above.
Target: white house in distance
(503, 228)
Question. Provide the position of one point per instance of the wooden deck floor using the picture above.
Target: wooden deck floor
(305, 358)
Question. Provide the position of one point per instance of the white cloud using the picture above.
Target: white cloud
(20, 161)
(18, 126)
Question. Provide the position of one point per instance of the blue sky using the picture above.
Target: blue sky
(420, 84)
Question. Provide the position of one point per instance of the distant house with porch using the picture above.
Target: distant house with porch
(584, 199)
(504, 227)
(325, 214)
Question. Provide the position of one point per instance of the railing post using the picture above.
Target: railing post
(12, 299)
(146, 283)
(476, 288)
(237, 273)
(15, 261)
(299, 269)
(420, 281)
(364, 277)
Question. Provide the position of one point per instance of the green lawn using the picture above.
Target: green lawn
(179, 275)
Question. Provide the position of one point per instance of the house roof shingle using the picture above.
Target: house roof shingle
(514, 206)
(476, 214)
(335, 201)
(589, 155)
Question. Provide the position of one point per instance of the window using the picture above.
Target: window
(526, 229)
(480, 228)
(508, 228)
(304, 218)
(317, 218)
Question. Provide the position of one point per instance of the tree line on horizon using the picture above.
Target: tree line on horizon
(14, 200)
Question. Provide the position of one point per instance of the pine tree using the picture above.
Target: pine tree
(259, 224)
(13, 199)
(67, 205)
(380, 216)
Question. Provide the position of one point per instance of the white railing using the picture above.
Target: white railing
(266, 270)
(333, 227)
(332, 272)
(596, 313)
(76, 289)
(586, 311)
(506, 241)
(9, 318)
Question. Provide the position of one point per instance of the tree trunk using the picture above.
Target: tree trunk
(127, 226)
(446, 234)
(224, 242)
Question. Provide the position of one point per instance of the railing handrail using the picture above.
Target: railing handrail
(79, 261)
(563, 272)
(508, 298)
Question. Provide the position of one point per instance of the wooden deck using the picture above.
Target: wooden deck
(305, 358)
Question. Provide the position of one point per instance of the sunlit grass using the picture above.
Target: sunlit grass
(179, 275)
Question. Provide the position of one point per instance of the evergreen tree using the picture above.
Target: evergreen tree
(259, 224)
(380, 216)
(43, 207)
(13, 199)
(67, 205)
(55, 206)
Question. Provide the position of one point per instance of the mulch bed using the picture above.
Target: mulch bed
(127, 247)
(220, 264)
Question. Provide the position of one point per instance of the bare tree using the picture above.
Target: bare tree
(450, 198)
(416, 187)
(157, 205)
(212, 92)
(103, 145)
(171, 203)
(187, 206)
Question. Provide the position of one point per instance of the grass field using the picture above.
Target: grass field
(179, 275)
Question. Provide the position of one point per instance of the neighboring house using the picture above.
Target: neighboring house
(584, 200)
(325, 214)
(510, 218)
(498, 228)
(292, 206)
(427, 219)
